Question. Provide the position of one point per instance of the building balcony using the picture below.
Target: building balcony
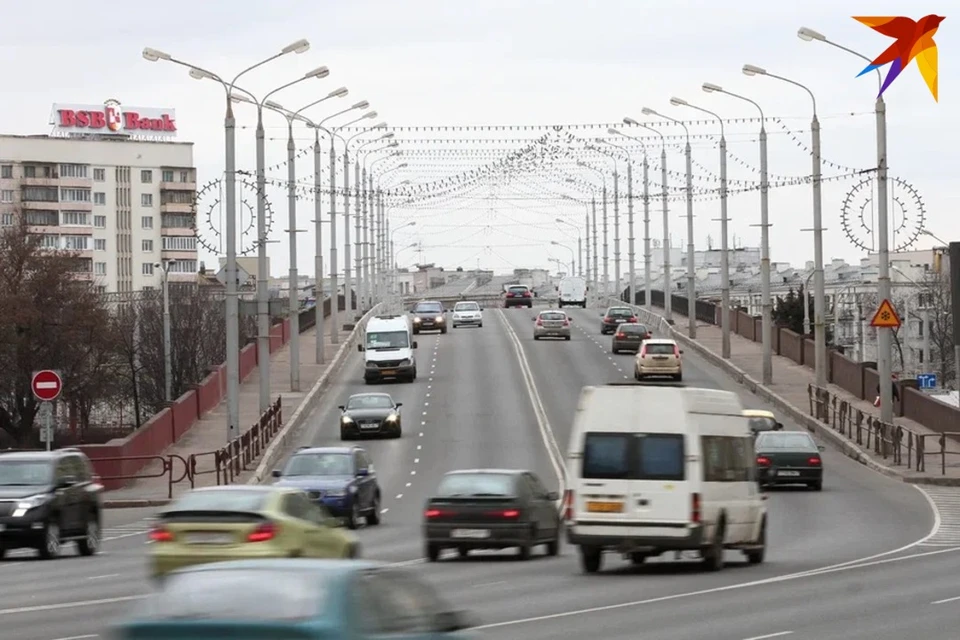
(83, 183)
(178, 231)
(170, 254)
(44, 229)
(37, 205)
(40, 182)
(76, 206)
(178, 186)
(176, 207)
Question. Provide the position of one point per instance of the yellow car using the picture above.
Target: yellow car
(245, 522)
(762, 420)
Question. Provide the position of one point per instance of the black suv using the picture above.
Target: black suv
(518, 295)
(48, 498)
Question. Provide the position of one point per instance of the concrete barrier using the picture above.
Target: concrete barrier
(291, 430)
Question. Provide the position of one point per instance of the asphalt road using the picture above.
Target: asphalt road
(471, 407)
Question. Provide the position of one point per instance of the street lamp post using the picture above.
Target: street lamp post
(573, 258)
(579, 243)
(383, 226)
(360, 180)
(377, 237)
(230, 233)
(616, 212)
(691, 271)
(667, 281)
(884, 334)
(724, 257)
(646, 226)
(766, 323)
(164, 267)
(606, 257)
(631, 258)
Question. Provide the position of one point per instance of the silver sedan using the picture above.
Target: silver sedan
(551, 324)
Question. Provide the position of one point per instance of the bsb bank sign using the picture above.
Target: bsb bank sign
(112, 119)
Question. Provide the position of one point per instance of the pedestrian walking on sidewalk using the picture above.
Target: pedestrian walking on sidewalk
(894, 388)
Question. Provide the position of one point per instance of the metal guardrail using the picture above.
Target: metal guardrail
(890, 441)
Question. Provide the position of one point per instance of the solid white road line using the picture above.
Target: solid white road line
(770, 635)
(946, 601)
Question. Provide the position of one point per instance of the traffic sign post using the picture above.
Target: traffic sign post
(927, 381)
(46, 418)
(886, 317)
(46, 386)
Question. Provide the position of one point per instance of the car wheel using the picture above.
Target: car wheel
(553, 547)
(817, 486)
(50, 545)
(479, 325)
(636, 375)
(637, 558)
(373, 518)
(444, 330)
(755, 556)
(398, 432)
(433, 552)
(463, 552)
(345, 435)
(536, 337)
(713, 555)
(353, 520)
(89, 544)
(3, 552)
(615, 351)
(678, 377)
(566, 337)
(591, 559)
(353, 552)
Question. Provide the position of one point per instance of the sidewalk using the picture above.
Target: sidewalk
(790, 383)
(209, 433)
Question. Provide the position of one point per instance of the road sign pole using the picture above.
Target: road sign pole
(48, 425)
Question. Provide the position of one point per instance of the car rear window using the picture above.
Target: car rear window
(473, 484)
(782, 440)
(660, 349)
(518, 289)
(223, 500)
(634, 456)
(553, 315)
(633, 329)
(238, 595)
(619, 312)
(429, 307)
(762, 424)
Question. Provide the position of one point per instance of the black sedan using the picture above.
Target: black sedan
(629, 337)
(614, 317)
(788, 457)
(370, 414)
(428, 315)
(491, 509)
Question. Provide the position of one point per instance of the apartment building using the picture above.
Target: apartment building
(123, 204)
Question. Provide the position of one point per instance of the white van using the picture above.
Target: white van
(659, 467)
(573, 292)
(387, 349)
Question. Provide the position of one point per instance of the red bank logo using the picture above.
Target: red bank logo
(112, 119)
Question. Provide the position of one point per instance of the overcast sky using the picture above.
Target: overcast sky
(432, 63)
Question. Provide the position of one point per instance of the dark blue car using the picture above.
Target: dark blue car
(294, 600)
(340, 479)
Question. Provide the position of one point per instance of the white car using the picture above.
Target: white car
(467, 314)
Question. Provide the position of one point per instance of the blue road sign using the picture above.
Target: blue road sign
(927, 381)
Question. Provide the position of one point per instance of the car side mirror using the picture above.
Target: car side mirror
(341, 407)
(67, 481)
(398, 405)
(569, 318)
(276, 473)
(360, 347)
(533, 319)
(411, 311)
(414, 344)
(681, 350)
(449, 621)
(363, 473)
(778, 426)
(553, 495)
(821, 448)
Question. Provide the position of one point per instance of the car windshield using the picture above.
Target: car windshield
(320, 464)
(762, 424)
(619, 313)
(467, 306)
(370, 402)
(428, 307)
(476, 484)
(387, 340)
(660, 349)
(221, 500)
(633, 329)
(553, 315)
(238, 595)
(15, 473)
(781, 440)
(516, 290)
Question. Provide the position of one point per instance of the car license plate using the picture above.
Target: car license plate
(389, 372)
(208, 538)
(605, 507)
(370, 425)
(659, 357)
(791, 474)
(476, 534)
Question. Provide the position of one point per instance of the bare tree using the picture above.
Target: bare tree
(936, 298)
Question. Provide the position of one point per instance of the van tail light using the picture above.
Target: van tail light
(763, 461)
(676, 351)
(695, 508)
(568, 505)
(160, 534)
(509, 513)
(814, 461)
(263, 533)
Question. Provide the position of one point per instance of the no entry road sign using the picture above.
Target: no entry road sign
(46, 385)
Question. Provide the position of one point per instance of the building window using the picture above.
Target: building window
(76, 243)
(183, 266)
(149, 288)
(185, 176)
(101, 288)
(146, 199)
(179, 243)
(6, 220)
(99, 198)
(6, 171)
(146, 222)
(146, 176)
(100, 175)
(40, 194)
(29, 171)
(178, 197)
(6, 196)
(75, 195)
(100, 244)
(167, 176)
(49, 241)
(43, 218)
(147, 269)
(100, 222)
(100, 268)
(177, 221)
(75, 218)
(146, 246)
(73, 171)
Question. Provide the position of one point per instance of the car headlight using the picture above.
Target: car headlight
(416, 319)
(439, 318)
(392, 417)
(405, 362)
(30, 503)
(346, 419)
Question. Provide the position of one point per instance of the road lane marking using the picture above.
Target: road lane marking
(945, 502)
(539, 411)
(702, 592)
(89, 635)
(770, 635)
(104, 576)
(946, 601)
(69, 605)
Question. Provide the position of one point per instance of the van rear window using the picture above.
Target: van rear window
(634, 456)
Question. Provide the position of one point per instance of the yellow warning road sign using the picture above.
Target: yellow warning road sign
(885, 317)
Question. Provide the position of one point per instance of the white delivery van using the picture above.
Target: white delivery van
(653, 468)
(573, 292)
(387, 349)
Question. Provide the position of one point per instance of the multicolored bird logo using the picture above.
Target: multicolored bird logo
(914, 40)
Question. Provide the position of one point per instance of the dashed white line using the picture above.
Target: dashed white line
(104, 577)
(771, 635)
(946, 601)
(399, 495)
